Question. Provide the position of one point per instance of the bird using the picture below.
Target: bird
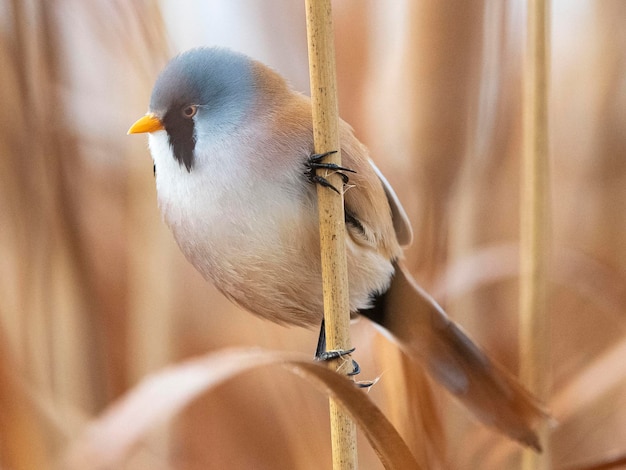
(236, 176)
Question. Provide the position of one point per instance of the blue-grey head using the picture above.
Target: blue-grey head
(203, 90)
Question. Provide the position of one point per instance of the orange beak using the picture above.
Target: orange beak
(147, 123)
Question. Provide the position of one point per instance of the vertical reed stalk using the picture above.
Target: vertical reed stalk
(534, 223)
(331, 215)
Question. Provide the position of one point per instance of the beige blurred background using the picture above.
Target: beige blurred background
(94, 294)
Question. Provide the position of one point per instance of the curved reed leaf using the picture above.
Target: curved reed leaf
(110, 438)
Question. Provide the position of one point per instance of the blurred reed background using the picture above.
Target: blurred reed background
(94, 294)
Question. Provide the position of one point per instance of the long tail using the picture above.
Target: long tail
(425, 332)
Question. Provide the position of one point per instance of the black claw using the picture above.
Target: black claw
(330, 166)
(356, 369)
(323, 182)
(334, 354)
(365, 384)
(316, 157)
(314, 163)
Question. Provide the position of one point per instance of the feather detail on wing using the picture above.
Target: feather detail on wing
(374, 215)
(401, 222)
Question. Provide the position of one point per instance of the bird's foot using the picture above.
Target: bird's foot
(314, 162)
(336, 354)
(322, 355)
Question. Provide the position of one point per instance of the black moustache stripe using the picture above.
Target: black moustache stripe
(181, 135)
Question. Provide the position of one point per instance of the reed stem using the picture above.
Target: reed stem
(534, 223)
(331, 217)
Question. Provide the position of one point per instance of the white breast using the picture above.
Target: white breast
(243, 217)
(248, 233)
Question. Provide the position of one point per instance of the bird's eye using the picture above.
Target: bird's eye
(190, 111)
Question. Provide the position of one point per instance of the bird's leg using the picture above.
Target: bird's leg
(314, 162)
(321, 341)
(322, 355)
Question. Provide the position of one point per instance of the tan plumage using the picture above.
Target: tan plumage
(424, 332)
(244, 214)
